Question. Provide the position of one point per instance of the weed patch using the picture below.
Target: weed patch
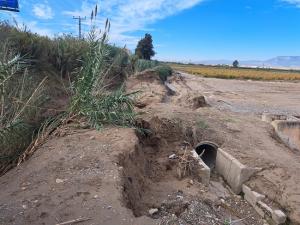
(202, 124)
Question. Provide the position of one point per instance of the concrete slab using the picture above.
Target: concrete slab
(264, 210)
(234, 172)
(198, 169)
(203, 171)
(170, 88)
(278, 217)
(251, 196)
(275, 217)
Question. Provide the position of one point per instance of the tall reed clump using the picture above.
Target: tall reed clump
(20, 100)
(92, 98)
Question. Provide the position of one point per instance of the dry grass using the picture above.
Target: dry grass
(238, 73)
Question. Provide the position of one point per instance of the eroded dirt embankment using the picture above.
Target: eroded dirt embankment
(149, 172)
(151, 180)
(115, 176)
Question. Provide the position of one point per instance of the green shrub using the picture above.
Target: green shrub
(143, 64)
(62, 54)
(164, 71)
(66, 54)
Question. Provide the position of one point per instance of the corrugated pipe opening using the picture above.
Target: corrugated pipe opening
(208, 153)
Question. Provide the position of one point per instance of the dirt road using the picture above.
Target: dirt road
(248, 96)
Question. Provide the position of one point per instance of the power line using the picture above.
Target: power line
(79, 18)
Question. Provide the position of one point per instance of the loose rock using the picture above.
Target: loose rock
(153, 211)
(58, 181)
(173, 156)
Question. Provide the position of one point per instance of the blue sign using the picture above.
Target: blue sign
(10, 5)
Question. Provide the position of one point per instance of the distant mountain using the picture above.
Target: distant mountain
(216, 62)
(284, 62)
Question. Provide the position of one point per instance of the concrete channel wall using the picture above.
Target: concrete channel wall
(288, 132)
(236, 175)
(234, 172)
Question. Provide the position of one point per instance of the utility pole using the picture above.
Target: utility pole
(79, 18)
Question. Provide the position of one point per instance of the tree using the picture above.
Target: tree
(235, 64)
(144, 49)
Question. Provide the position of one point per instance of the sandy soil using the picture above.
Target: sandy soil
(248, 96)
(114, 176)
(71, 177)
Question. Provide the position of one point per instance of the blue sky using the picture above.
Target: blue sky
(182, 29)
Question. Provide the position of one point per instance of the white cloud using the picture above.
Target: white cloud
(294, 2)
(132, 15)
(43, 11)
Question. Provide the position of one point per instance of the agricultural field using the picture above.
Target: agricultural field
(238, 73)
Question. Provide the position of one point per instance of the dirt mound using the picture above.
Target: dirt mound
(185, 96)
(149, 87)
(199, 102)
(149, 75)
